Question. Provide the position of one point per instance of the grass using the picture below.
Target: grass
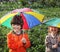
(48, 12)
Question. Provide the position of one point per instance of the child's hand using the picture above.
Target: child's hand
(54, 46)
(23, 40)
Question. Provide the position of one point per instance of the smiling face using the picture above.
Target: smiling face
(16, 28)
(53, 30)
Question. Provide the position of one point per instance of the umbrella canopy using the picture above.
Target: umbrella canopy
(30, 19)
(22, 10)
(53, 22)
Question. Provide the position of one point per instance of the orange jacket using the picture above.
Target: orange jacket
(15, 44)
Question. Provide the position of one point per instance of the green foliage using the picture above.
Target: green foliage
(36, 34)
(29, 3)
(3, 33)
(10, 5)
(37, 39)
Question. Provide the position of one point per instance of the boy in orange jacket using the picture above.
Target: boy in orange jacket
(16, 40)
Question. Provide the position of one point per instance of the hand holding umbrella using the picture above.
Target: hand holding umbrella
(23, 40)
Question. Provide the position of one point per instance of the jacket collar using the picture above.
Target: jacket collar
(21, 32)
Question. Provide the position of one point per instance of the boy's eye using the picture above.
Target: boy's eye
(17, 24)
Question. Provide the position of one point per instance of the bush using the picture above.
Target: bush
(36, 34)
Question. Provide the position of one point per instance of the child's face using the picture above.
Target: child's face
(16, 28)
(53, 30)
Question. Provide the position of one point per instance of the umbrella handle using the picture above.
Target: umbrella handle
(23, 32)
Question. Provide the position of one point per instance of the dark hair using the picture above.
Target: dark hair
(17, 20)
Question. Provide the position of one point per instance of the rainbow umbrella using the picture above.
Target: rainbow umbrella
(30, 19)
(22, 10)
(53, 22)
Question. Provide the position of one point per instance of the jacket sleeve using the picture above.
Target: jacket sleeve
(28, 44)
(48, 42)
(12, 44)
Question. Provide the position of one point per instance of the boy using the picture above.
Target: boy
(16, 40)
